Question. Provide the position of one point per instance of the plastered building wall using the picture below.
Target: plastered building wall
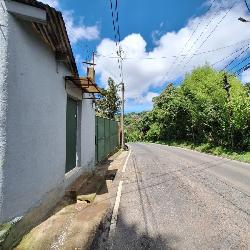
(88, 130)
(3, 94)
(33, 103)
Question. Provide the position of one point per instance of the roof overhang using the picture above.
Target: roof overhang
(85, 83)
(50, 26)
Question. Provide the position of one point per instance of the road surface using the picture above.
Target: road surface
(173, 198)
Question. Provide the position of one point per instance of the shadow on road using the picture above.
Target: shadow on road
(130, 237)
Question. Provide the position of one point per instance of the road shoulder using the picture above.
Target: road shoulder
(76, 225)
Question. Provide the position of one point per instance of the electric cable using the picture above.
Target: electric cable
(210, 34)
(116, 29)
(247, 5)
(174, 62)
(231, 54)
(165, 57)
(236, 58)
(239, 63)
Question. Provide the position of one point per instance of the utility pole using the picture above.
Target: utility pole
(91, 63)
(227, 88)
(122, 117)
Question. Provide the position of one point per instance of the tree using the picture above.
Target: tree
(202, 109)
(247, 87)
(136, 126)
(109, 103)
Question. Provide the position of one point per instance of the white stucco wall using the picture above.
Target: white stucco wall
(33, 162)
(36, 125)
(88, 133)
(3, 92)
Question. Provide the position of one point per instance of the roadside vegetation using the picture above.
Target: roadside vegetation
(109, 103)
(208, 112)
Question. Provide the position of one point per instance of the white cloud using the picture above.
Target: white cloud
(52, 3)
(76, 31)
(246, 76)
(146, 99)
(141, 75)
(140, 103)
(150, 96)
(156, 34)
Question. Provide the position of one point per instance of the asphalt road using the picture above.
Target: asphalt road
(180, 199)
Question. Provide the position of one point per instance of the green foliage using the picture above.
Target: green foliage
(203, 109)
(211, 149)
(134, 126)
(247, 88)
(108, 106)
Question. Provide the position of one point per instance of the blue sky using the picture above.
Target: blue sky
(137, 16)
(155, 37)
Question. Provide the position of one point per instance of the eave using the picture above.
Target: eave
(85, 83)
(53, 33)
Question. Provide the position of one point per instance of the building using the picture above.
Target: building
(47, 117)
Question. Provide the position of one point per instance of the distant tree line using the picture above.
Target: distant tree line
(208, 106)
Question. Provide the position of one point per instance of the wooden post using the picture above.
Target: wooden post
(122, 117)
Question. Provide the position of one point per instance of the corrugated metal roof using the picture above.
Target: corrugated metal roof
(54, 33)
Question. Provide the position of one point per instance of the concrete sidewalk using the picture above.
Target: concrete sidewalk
(75, 222)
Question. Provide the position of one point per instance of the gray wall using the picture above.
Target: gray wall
(33, 165)
(3, 93)
(88, 140)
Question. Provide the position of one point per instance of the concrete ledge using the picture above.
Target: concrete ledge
(13, 231)
(72, 175)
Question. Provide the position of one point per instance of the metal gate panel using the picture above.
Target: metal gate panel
(106, 137)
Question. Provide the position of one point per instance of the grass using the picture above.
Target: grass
(243, 156)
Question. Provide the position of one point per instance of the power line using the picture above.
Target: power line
(239, 63)
(236, 58)
(198, 38)
(195, 29)
(113, 21)
(214, 50)
(210, 34)
(244, 68)
(173, 64)
(166, 57)
(116, 29)
(247, 5)
(221, 60)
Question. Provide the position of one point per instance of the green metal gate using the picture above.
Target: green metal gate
(71, 129)
(107, 137)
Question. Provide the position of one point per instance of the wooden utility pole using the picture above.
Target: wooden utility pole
(227, 87)
(122, 117)
(90, 63)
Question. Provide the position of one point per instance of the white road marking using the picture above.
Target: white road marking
(116, 206)
(115, 212)
(126, 162)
